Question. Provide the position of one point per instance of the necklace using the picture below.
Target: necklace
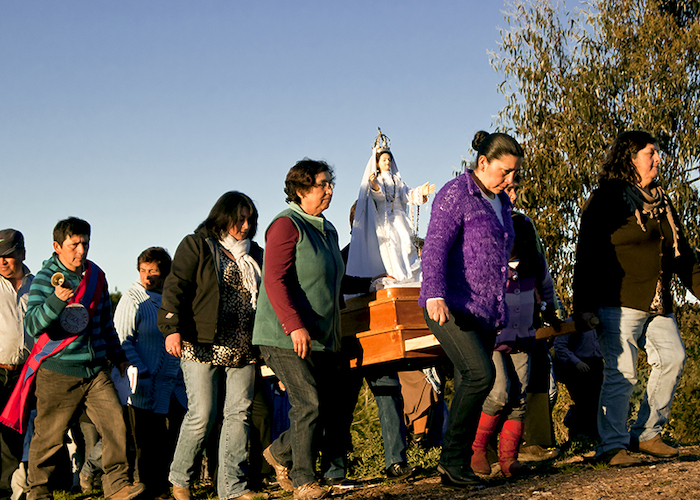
(389, 199)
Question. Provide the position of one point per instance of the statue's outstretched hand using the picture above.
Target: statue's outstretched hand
(428, 189)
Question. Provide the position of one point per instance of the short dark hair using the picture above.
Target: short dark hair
(617, 163)
(226, 212)
(302, 177)
(159, 256)
(496, 145)
(71, 226)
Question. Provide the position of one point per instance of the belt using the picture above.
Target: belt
(10, 367)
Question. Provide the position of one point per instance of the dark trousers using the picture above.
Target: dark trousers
(260, 434)
(154, 437)
(584, 389)
(312, 387)
(539, 428)
(10, 440)
(386, 388)
(469, 347)
(58, 400)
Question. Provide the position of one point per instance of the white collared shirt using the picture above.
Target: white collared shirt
(15, 345)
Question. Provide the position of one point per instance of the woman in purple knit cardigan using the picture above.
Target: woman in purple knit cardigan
(465, 270)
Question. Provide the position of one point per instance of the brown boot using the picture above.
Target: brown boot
(657, 448)
(129, 492)
(487, 426)
(508, 444)
(281, 472)
(618, 458)
(180, 493)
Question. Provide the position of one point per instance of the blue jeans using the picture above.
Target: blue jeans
(312, 387)
(509, 390)
(387, 394)
(202, 382)
(624, 332)
(469, 347)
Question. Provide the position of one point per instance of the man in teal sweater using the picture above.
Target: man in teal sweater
(68, 312)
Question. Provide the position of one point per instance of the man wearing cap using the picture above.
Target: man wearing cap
(15, 280)
(69, 315)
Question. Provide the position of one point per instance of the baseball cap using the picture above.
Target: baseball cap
(11, 241)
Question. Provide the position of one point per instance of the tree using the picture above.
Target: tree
(575, 79)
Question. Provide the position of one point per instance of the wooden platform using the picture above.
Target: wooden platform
(387, 325)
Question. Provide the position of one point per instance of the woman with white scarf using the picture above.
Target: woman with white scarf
(382, 239)
(207, 313)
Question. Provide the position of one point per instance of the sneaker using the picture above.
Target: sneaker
(401, 471)
(657, 448)
(310, 491)
(618, 457)
(536, 453)
(281, 471)
(459, 477)
(129, 492)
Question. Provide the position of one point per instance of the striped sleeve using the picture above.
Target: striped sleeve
(43, 306)
(125, 317)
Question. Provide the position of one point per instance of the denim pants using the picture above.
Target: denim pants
(203, 382)
(509, 392)
(469, 347)
(624, 332)
(312, 387)
(58, 397)
(386, 389)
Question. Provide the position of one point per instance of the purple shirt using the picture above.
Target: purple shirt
(466, 252)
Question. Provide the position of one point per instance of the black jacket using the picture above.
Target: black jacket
(618, 264)
(190, 304)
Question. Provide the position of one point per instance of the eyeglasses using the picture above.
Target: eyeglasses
(325, 185)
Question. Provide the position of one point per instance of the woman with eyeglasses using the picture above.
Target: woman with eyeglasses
(297, 326)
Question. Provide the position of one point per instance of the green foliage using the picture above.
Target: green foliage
(367, 456)
(684, 426)
(574, 80)
(114, 299)
(366, 459)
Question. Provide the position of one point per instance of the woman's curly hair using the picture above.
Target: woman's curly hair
(302, 177)
(617, 163)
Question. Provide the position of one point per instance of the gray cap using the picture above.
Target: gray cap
(11, 241)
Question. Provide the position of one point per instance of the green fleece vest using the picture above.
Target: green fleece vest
(319, 269)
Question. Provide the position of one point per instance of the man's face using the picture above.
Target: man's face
(11, 265)
(73, 252)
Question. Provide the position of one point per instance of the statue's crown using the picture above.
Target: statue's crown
(382, 142)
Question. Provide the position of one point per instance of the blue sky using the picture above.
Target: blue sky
(138, 115)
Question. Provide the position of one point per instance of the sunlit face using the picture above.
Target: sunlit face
(319, 196)
(73, 252)
(512, 191)
(11, 266)
(647, 164)
(384, 163)
(149, 274)
(497, 174)
(240, 229)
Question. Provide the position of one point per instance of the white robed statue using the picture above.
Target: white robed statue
(382, 240)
